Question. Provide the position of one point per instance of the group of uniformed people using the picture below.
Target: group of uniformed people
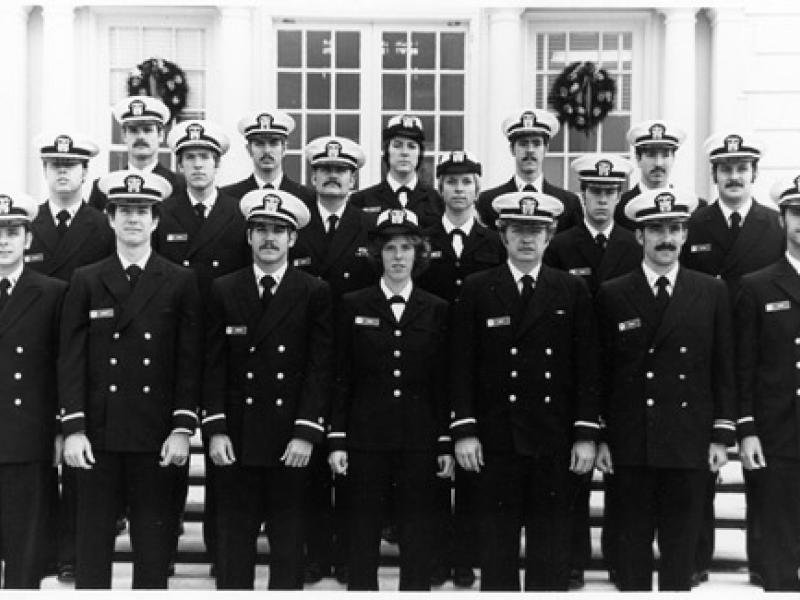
(347, 354)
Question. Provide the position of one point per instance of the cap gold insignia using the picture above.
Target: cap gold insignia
(271, 202)
(5, 204)
(457, 157)
(396, 216)
(63, 143)
(137, 108)
(409, 122)
(194, 131)
(528, 206)
(603, 168)
(657, 131)
(265, 121)
(528, 120)
(333, 149)
(665, 202)
(733, 143)
(134, 184)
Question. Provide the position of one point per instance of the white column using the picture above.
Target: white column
(679, 87)
(13, 95)
(59, 85)
(504, 89)
(235, 59)
(727, 63)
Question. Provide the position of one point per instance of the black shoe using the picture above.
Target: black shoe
(439, 575)
(576, 581)
(342, 574)
(66, 573)
(756, 579)
(122, 524)
(699, 577)
(314, 572)
(463, 577)
(389, 534)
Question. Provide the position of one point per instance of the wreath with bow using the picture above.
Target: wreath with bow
(582, 95)
(162, 79)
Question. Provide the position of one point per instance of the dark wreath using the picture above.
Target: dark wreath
(161, 79)
(582, 95)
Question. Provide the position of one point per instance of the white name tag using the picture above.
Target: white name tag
(236, 330)
(776, 306)
(371, 209)
(101, 313)
(362, 251)
(700, 248)
(302, 262)
(628, 325)
(177, 237)
(34, 258)
(583, 271)
(504, 321)
(367, 321)
(436, 254)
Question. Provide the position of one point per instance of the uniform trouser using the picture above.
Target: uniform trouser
(341, 521)
(456, 544)
(581, 542)
(137, 481)
(319, 511)
(24, 510)
(245, 495)
(373, 477)
(67, 515)
(752, 494)
(536, 493)
(778, 511)
(704, 551)
(663, 503)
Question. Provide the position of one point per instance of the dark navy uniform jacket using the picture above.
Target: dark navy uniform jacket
(424, 201)
(248, 184)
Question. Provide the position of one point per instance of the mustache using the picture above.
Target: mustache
(658, 170)
(734, 184)
(529, 156)
(666, 246)
(268, 246)
(140, 144)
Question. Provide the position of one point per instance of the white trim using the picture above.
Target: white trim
(589, 424)
(461, 422)
(337, 434)
(75, 415)
(309, 424)
(183, 411)
(215, 417)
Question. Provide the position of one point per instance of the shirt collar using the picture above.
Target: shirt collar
(652, 276)
(72, 210)
(324, 213)
(395, 185)
(466, 227)
(517, 274)
(405, 292)
(537, 183)
(794, 262)
(606, 232)
(276, 182)
(209, 202)
(743, 210)
(141, 263)
(277, 275)
(13, 278)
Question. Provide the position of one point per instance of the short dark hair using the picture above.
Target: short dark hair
(155, 209)
(641, 149)
(385, 150)
(422, 250)
(179, 154)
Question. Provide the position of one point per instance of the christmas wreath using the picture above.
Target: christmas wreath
(161, 79)
(582, 95)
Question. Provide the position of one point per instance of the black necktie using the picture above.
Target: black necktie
(528, 188)
(601, 241)
(63, 217)
(200, 209)
(736, 225)
(268, 186)
(397, 299)
(662, 296)
(5, 284)
(133, 272)
(332, 221)
(403, 189)
(527, 288)
(458, 247)
(267, 281)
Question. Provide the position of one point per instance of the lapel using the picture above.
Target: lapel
(412, 309)
(443, 241)
(474, 240)
(418, 196)
(376, 304)
(640, 295)
(218, 219)
(246, 292)
(314, 235)
(346, 231)
(184, 214)
(151, 281)
(44, 228)
(116, 282)
(505, 290)
(24, 295)
(388, 197)
(542, 295)
(718, 229)
(79, 232)
(250, 184)
(788, 280)
(287, 298)
(751, 234)
(615, 250)
(683, 296)
(587, 247)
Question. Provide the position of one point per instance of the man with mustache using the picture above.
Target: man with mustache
(529, 132)
(403, 150)
(265, 396)
(767, 320)
(524, 414)
(334, 246)
(129, 373)
(67, 234)
(729, 238)
(597, 250)
(668, 398)
(266, 133)
(143, 120)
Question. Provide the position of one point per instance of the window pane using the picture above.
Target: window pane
(318, 125)
(124, 46)
(614, 129)
(119, 84)
(451, 135)
(117, 159)
(394, 92)
(165, 159)
(347, 91)
(190, 48)
(348, 126)
(625, 95)
(452, 92)
(157, 41)
(290, 90)
(452, 51)
(540, 51)
(580, 142)
(584, 41)
(289, 49)
(196, 81)
(542, 90)
(318, 86)
(423, 50)
(348, 49)
(556, 52)
(610, 41)
(427, 170)
(296, 139)
(423, 92)
(429, 127)
(394, 50)
(116, 131)
(557, 142)
(291, 166)
(318, 49)
(574, 182)
(554, 170)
